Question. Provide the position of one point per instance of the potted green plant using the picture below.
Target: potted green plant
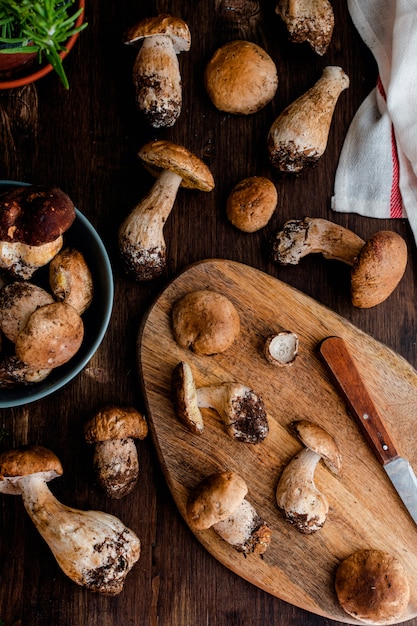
(37, 32)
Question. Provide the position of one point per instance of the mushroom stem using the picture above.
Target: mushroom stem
(94, 549)
(308, 20)
(141, 240)
(116, 464)
(245, 530)
(298, 238)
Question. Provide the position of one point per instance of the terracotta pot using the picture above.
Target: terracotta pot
(18, 69)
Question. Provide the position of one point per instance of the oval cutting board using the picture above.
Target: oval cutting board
(365, 511)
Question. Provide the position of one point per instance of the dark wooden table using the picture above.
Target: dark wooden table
(85, 141)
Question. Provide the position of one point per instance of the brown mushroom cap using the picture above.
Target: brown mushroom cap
(35, 215)
(241, 78)
(161, 155)
(115, 422)
(378, 269)
(372, 586)
(251, 203)
(205, 321)
(173, 27)
(25, 461)
(215, 499)
(319, 441)
(52, 335)
(18, 300)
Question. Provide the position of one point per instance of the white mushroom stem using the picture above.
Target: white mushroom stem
(141, 239)
(308, 20)
(22, 260)
(299, 238)
(245, 530)
(158, 81)
(94, 549)
(116, 464)
(297, 495)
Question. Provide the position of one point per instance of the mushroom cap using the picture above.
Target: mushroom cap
(18, 300)
(241, 78)
(51, 337)
(251, 203)
(215, 499)
(205, 321)
(25, 461)
(35, 214)
(173, 27)
(319, 441)
(378, 269)
(114, 422)
(161, 155)
(372, 586)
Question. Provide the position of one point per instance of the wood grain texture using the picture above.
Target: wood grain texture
(365, 511)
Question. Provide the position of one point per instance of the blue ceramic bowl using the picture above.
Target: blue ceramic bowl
(82, 236)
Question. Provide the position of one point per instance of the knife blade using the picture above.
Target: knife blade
(345, 373)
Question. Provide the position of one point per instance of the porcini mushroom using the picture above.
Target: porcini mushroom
(13, 372)
(311, 21)
(281, 348)
(241, 78)
(94, 549)
(251, 203)
(113, 431)
(298, 137)
(156, 72)
(302, 504)
(18, 300)
(32, 222)
(372, 586)
(205, 322)
(242, 411)
(141, 239)
(377, 264)
(70, 279)
(219, 502)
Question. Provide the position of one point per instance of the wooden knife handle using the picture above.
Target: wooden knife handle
(341, 364)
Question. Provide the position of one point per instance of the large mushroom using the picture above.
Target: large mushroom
(32, 222)
(141, 239)
(310, 21)
(93, 548)
(302, 504)
(242, 411)
(113, 431)
(156, 72)
(378, 264)
(219, 502)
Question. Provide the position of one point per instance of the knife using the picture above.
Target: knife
(352, 387)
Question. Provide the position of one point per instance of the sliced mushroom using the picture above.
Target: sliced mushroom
(298, 137)
(308, 20)
(205, 322)
(242, 411)
(282, 348)
(219, 502)
(141, 239)
(116, 464)
(70, 279)
(377, 264)
(156, 72)
(302, 504)
(94, 549)
(251, 203)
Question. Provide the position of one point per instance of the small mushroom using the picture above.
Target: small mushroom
(13, 372)
(219, 502)
(32, 222)
(310, 21)
(156, 72)
(141, 239)
(94, 549)
(282, 348)
(377, 264)
(298, 137)
(242, 411)
(251, 203)
(241, 78)
(70, 279)
(116, 464)
(302, 504)
(205, 322)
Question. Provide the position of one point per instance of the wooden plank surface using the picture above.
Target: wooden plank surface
(365, 511)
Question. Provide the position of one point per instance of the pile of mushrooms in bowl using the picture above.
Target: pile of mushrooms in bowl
(89, 322)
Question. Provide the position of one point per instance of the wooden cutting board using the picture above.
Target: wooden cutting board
(365, 511)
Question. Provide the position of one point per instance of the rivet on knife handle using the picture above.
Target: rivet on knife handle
(341, 364)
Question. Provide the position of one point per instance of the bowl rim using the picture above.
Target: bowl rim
(79, 366)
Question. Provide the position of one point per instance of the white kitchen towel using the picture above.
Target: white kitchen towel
(377, 171)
